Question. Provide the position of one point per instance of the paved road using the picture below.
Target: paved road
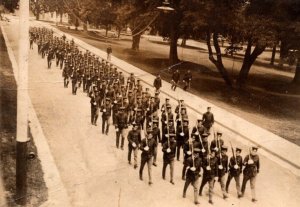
(95, 173)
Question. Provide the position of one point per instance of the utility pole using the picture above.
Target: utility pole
(22, 105)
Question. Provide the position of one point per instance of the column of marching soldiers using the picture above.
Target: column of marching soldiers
(125, 103)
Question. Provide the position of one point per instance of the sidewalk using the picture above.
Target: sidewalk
(274, 147)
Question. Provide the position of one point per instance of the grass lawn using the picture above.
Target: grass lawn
(269, 99)
(37, 191)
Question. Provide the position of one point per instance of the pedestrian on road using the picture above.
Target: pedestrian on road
(157, 83)
(134, 140)
(187, 79)
(235, 169)
(147, 147)
(252, 165)
(194, 164)
(109, 52)
(175, 79)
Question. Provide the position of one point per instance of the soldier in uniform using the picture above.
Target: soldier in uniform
(157, 100)
(235, 169)
(175, 79)
(210, 167)
(217, 143)
(134, 140)
(194, 164)
(252, 165)
(156, 137)
(147, 147)
(169, 150)
(157, 83)
(106, 115)
(121, 125)
(187, 79)
(222, 169)
(208, 119)
(182, 135)
(94, 108)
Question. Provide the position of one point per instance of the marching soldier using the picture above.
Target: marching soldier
(169, 150)
(156, 137)
(94, 108)
(134, 140)
(223, 169)
(157, 100)
(74, 81)
(182, 136)
(147, 147)
(194, 164)
(121, 125)
(252, 165)
(210, 167)
(235, 169)
(217, 143)
(106, 115)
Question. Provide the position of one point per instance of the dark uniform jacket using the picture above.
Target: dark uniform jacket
(251, 170)
(238, 160)
(223, 160)
(167, 157)
(214, 144)
(208, 119)
(107, 111)
(193, 175)
(151, 144)
(134, 136)
(121, 121)
(213, 163)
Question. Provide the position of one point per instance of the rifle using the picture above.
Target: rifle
(234, 157)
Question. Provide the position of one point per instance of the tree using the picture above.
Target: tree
(10, 5)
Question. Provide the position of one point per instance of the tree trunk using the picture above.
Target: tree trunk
(183, 42)
(217, 62)
(85, 26)
(136, 42)
(296, 79)
(249, 59)
(61, 15)
(273, 55)
(173, 55)
(106, 30)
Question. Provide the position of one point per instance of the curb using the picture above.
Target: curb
(57, 194)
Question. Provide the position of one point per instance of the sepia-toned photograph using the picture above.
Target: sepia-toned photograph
(149, 103)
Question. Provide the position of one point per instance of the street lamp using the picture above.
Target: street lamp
(165, 7)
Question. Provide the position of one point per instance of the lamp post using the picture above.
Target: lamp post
(22, 105)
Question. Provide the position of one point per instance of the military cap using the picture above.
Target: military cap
(167, 99)
(122, 108)
(204, 134)
(107, 99)
(186, 120)
(238, 149)
(219, 133)
(254, 148)
(156, 93)
(208, 107)
(181, 100)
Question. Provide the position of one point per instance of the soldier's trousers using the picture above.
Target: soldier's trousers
(135, 153)
(61, 63)
(105, 124)
(49, 63)
(211, 182)
(120, 133)
(195, 184)
(178, 148)
(184, 171)
(149, 162)
(252, 185)
(84, 85)
(155, 155)
(94, 114)
(74, 87)
(166, 163)
(57, 62)
(237, 182)
(222, 184)
(66, 82)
